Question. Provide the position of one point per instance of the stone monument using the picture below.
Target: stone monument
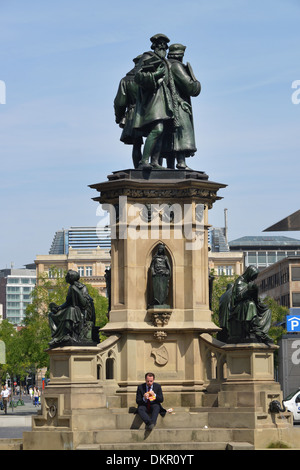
(159, 298)
(159, 291)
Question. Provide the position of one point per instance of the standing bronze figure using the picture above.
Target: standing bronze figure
(124, 106)
(156, 100)
(180, 142)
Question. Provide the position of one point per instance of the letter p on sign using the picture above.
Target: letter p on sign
(293, 323)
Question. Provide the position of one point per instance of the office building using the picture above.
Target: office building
(281, 281)
(16, 286)
(80, 238)
(263, 251)
(218, 240)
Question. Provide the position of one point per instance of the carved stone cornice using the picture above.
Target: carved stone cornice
(163, 185)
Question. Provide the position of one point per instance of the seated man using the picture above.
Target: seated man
(149, 397)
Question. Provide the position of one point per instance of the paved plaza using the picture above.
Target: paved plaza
(18, 419)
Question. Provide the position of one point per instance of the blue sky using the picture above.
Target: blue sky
(61, 62)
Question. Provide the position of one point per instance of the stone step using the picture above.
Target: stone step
(176, 446)
(170, 435)
(194, 418)
(178, 419)
(11, 444)
(238, 419)
(189, 438)
(240, 446)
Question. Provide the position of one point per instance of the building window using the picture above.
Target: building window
(295, 273)
(13, 289)
(296, 299)
(220, 270)
(281, 255)
(284, 276)
(225, 270)
(80, 270)
(252, 258)
(13, 280)
(89, 271)
(13, 296)
(272, 257)
(262, 258)
(13, 304)
(229, 271)
(52, 274)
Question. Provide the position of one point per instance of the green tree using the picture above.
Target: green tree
(101, 305)
(8, 334)
(17, 364)
(278, 318)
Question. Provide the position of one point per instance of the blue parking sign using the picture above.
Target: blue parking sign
(293, 323)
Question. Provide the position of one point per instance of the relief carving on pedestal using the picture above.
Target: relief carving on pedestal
(161, 355)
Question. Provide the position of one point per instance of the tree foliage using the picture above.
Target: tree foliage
(16, 363)
(278, 326)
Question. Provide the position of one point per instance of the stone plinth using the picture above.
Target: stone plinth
(72, 403)
(250, 376)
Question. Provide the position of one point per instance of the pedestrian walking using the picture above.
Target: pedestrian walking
(5, 396)
(36, 396)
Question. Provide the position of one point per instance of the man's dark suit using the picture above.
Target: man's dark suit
(155, 405)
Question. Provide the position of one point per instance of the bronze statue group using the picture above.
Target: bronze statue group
(153, 107)
(243, 316)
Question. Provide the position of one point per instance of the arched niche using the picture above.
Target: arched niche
(152, 253)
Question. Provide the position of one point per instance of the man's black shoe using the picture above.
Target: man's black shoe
(149, 427)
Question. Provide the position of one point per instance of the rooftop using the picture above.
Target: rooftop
(265, 241)
(22, 272)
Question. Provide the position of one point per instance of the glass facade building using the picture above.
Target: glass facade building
(80, 238)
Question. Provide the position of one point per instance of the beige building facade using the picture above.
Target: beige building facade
(226, 263)
(90, 263)
(281, 281)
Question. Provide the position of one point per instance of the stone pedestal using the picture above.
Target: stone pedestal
(72, 403)
(146, 209)
(250, 377)
(248, 391)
